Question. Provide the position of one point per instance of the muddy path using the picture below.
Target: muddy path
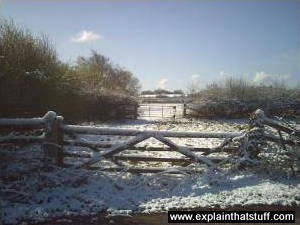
(152, 219)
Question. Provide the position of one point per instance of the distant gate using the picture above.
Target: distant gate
(170, 111)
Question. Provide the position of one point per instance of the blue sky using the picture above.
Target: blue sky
(173, 43)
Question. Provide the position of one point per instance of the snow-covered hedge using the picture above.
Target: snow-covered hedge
(211, 107)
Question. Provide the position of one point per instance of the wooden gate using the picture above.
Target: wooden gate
(164, 111)
(58, 136)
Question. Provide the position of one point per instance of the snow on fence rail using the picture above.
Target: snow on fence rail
(55, 132)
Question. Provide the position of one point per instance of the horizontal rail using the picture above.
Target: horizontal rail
(76, 155)
(161, 149)
(30, 123)
(132, 132)
(145, 170)
(138, 158)
(152, 108)
(88, 144)
(96, 145)
(21, 124)
(160, 159)
(158, 116)
(21, 139)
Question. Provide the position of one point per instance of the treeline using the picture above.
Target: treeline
(33, 80)
(236, 97)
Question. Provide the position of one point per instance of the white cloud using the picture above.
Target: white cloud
(265, 78)
(162, 83)
(223, 75)
(195, 77)
(85, 36)
(260, 77)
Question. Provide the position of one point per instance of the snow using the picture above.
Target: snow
(152, 193)
(55, 193)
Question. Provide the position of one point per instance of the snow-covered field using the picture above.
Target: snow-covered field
(39, 195)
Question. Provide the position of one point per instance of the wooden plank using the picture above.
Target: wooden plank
(76, 155)
(26, 123)
(22, 124)
(138, 158)
(162, 149)
(89, 144)
(133, 132)
(98, 146)
(114, 150)
(21, 139)
(145, 170)
(185, 151)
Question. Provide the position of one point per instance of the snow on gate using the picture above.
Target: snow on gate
(58, 136)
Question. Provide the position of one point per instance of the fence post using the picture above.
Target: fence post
(136, 108)
(53, 146)
(60, 140)
(174, 111)
(184, 110)
(256, 133)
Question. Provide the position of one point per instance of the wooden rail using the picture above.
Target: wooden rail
(131, 132)
(58, 135)
(22, 124)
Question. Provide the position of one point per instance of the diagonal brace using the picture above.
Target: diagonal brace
(187, 152)
(114, 150)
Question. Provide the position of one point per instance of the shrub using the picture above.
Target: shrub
(33, 80)
(98, 73)
(238, 98)
(28, 65)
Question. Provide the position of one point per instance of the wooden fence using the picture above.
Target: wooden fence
(57, 135)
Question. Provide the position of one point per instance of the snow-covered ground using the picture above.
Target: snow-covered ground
(40, 195)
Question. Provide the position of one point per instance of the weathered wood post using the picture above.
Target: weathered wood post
(53, 146)
(136, 111)
(255, 140)
(184, 110)
(174, 112)
(251, 143)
